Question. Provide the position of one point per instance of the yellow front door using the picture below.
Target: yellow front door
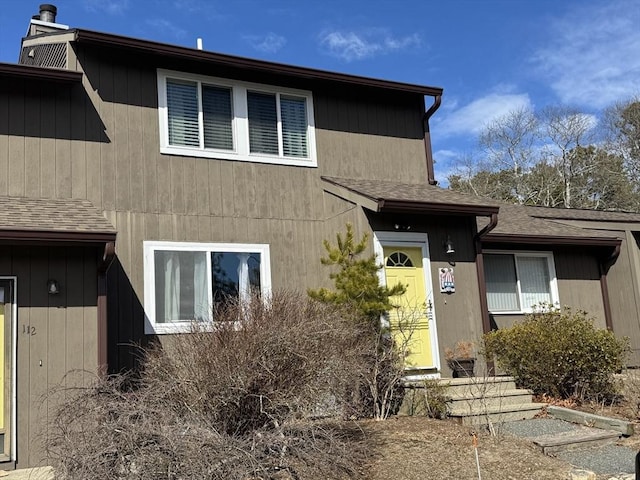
(410, 321)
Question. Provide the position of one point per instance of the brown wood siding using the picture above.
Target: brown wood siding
(64, 332)
(624, 292)
(579, 282)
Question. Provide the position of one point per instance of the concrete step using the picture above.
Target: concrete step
(477, 386)
(489, 399)
(581, 437)
(478, 415)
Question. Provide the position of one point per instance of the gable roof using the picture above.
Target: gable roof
(53, 220)
(386, 196)
(517, 225)
(156, 49)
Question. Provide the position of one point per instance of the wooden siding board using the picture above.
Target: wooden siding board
(39, 348)
(121, 138)
(189, 185)
(79, 174)
(201, 186)
(75, 324)
(21, 269)
(15, 171)
(47, 146)
(4, 140)
(90, 314)
(226, 186)
(107, 154)
(93, 128)
(63, 144)
(135, 146)
(215, 189)
(58, 337)
(163, 171)
(177, 184)
(150, 140)
(32, 157)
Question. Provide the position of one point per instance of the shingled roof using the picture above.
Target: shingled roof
(379, 196)
(583, 214)
(517, 225)
(53, 219)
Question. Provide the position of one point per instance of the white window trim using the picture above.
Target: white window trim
(553, 280)
(240, 122)
(150, 324)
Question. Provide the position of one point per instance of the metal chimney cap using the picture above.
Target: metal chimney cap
(48, 7)
(48, 13)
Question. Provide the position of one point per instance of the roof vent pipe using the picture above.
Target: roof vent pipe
(48, 13)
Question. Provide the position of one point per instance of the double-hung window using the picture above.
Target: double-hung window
(518, 281)
(185, 281)
(219, 118)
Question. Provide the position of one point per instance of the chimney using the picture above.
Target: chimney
(48, 13)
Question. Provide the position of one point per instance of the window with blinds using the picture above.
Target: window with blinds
(516, 282)
(218, 118)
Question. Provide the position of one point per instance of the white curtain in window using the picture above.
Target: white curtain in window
(243, 276)
(201, 306)
(534, 280)
(500, 278)
(171, 287)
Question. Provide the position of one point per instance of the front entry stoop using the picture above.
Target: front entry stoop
(476, 400)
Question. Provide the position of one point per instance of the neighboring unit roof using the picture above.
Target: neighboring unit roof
(39, 73)
(516, 225)
(165, 50)
(53, 219)
(583, 214)
(385, 196)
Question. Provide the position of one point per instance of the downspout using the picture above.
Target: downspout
(482, 286)
(605, 264)
(427, 138)
(107, 258)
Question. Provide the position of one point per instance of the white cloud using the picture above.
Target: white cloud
(167, 26)
(112, 7)
(470, 119)
(270, 43)
(591, 58)
(351, 46)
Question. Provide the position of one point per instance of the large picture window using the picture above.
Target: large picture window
(219, 118)
(185, 281)
(516, 282)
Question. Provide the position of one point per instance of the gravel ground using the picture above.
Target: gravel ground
(608, 459)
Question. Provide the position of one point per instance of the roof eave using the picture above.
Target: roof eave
(156, 48)
(58, 236)
(552, 240)
(390, 205)
(39, 73)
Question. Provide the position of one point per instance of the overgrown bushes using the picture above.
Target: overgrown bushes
(559, 352)
(240, 401)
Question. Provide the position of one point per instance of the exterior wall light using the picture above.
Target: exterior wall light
(448, 246)
(53, 288)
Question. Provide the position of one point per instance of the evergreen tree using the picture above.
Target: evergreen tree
(356, 282)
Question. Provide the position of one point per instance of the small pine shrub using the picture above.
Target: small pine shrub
(559, 352)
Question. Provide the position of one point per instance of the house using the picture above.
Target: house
(140, 182)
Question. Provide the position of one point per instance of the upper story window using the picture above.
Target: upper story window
(517, 281)
(218, 118)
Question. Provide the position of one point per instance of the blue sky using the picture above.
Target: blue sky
(490, 56)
